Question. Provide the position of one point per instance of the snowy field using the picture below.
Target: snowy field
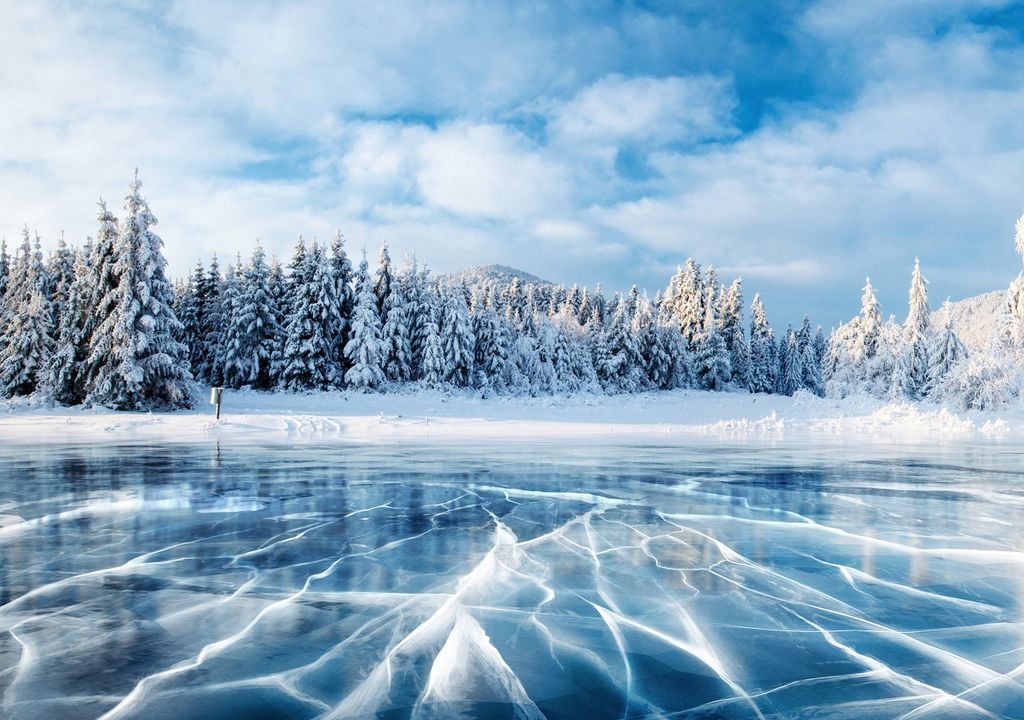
(436, 416)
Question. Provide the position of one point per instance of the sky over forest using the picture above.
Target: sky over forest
(800, 145)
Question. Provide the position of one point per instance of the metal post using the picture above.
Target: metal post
(215, 396)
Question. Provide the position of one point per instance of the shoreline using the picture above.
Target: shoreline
(435, 416)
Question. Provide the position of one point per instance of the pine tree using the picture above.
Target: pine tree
(713, 371)
(67, 364)
(762, 350)
(790, 363)
(432, 370)
(253, 332)
(135, 359)
(912, 379)
(309, 358)
(101, 293)
(382, 281)
(60, 273)
(623, 371)
(29, 344)
(490, 352)
(187, 308)
(456, 336)
(689, 301)
(213, 309)
(810, 363)
(397, 348)
(5, 269)
(731, 322)
(364, 345)
(946, 352)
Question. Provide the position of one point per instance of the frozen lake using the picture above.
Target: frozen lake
(191, 581)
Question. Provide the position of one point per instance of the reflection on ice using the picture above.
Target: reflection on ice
(353, 582)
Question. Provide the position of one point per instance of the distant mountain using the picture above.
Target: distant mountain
(499, 274)
(974, 318)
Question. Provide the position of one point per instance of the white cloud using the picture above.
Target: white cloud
(489, 171)
(647, 110)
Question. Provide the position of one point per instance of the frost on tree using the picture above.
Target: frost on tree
(252, 334)
(364, 349)
(910, 374)
(309, 358)
(27, 325)
(854, 363)
(712, 369)
(67, 365)
(135, 361)
(456, 332)
(762, 350)
(397, 348)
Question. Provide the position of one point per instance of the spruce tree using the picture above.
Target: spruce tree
(913, 379)
(432, 369)
(309, 359)
(790, 363)
(253, 332)
(67, 364)
(762, 350)
(731, 322)
(946, 352)
(135, 361)
(28, 345)
(397, 350)
(363, 349)
(456, 336)
(382, 280)
(5, 269)
(713, 371)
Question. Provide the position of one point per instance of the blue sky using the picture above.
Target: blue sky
(802, 145)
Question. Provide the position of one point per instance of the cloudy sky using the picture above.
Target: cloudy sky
(802, 145)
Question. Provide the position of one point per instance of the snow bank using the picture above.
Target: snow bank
(435, 416)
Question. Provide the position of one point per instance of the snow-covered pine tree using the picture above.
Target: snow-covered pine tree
(731, 322)
(624, 374)
(432, 369)
(457, 342)
(946, 352)
(67, 363)
(28, 344)
(912, 379)
(309, 359)
(60, 273)
(689, 301)
(810, 371)
(100, 296)
(5, 269)
(790, 363)
(363, 350)
(810, 364)
(397, 348)
(189, 309)
(136, 362)
(762, 350)
(253, 333)
(213, 309)
(712, 369)
(1009, 334)
(490, 352)
(598, 305)
(853, 364)
(382, 280)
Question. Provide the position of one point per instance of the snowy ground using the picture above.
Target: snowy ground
(435, 416)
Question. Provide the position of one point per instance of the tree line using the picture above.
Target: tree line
(102, 324)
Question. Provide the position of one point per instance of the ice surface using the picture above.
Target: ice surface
(524, 580)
